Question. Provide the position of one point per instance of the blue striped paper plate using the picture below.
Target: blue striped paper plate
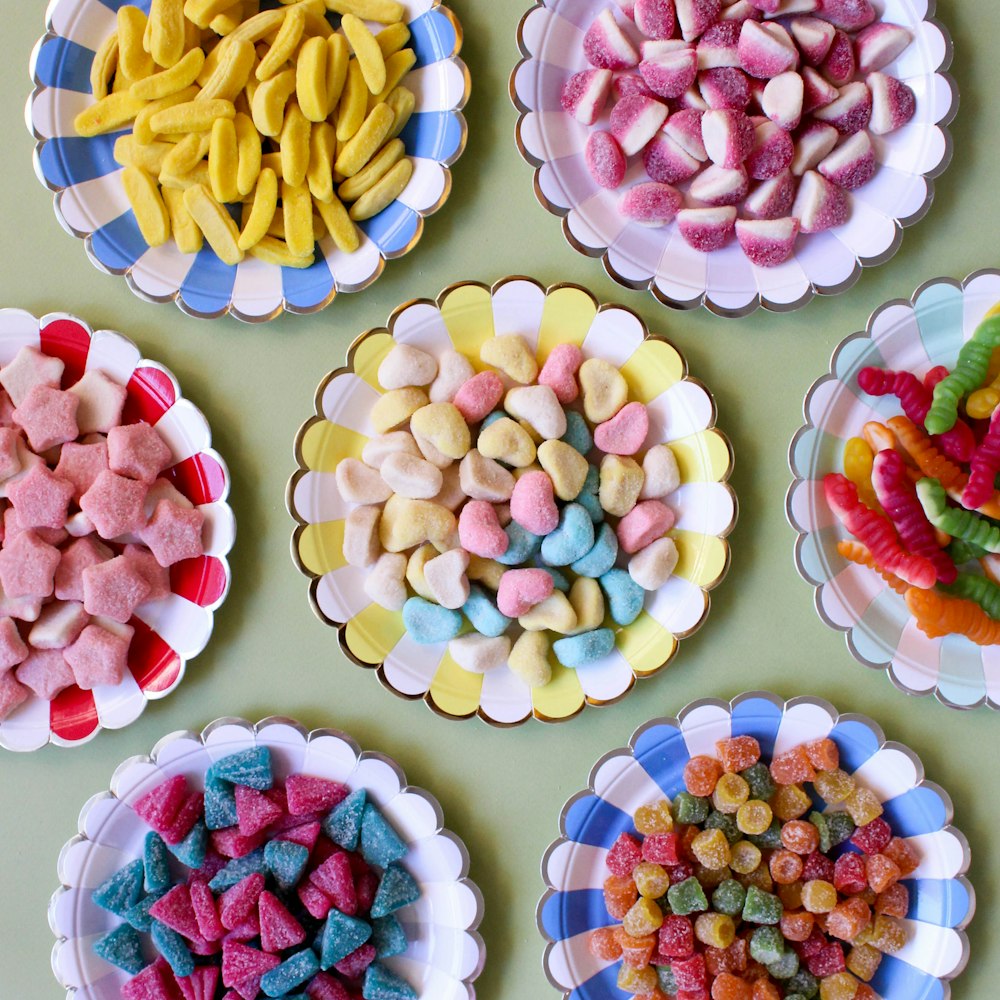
(942, 900)
(91, 205)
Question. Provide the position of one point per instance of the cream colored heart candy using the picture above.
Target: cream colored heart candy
(660, 471)
(361, 545)
(444, 427)
(451, 494)
(446, 579)
(358, 483)
(511, 354)
(406, 523)
(394, 408)
(454, 370)
(385, 584)
(554, 613)
(540, 407)
(479, 653)
(605, 390)
(484, 478)
(412, 477)
(404, 366)
(529, 659)
(652, 566)
(621, 482)
(380, 447)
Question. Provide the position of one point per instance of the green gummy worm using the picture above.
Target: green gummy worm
(962, 552)
(969, 373)
(956, 521)
(979, 589)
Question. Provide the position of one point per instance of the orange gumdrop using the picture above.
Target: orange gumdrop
(604, 944)
(701, 774)
(620, 893)
(729, 987)
(823, 754)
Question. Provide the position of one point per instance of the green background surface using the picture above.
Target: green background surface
(501, 790)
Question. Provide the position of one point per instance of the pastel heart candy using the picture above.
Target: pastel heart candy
(625, 433)
(572, 539)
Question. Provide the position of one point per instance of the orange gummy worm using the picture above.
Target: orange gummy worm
(855, 552)
(878, 436)
(937, 615)
(920, 448)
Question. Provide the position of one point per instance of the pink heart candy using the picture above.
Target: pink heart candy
(625, 432)
(533, 505)
(479, 530)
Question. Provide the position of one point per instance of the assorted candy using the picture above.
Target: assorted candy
(90, 529)
(752, 118)
(270, 111)
(917, 492)
(740, 889)
(520, 501)
(260, 888)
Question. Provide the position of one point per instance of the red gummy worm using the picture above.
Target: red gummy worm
(937, 374)
(898, 497)
(916, 397)
(984, 468)
(876, 532)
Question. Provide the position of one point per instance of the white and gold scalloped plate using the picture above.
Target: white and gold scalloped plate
(682, 413)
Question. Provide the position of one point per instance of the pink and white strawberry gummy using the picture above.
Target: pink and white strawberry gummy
(89, 529)
(763, 106)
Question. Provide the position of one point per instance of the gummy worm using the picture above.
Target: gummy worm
(962, 551)
(858, 458)
(984, 468)
(969, 373)
(920, 448)
(876, 532)
(878, 436)
(938, 615)
(898, 498)
(957, 522)
(935, 375)
(985, 593)
(981, 404)
(855, 552)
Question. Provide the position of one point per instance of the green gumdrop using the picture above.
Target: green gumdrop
(758, 777)
(687, 897)
(689, 809)
(766, 945)
(761, 907)
(729, 898)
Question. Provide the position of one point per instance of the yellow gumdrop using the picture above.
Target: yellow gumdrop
(605, 390)
(744, 857)
(529, 659)
(406, 523)
(711, 849)
(621, 480)
(511, 354)
(485, 571)
(731, 791)
(790, 802)
(444, 426)
(863, 806)
(834, 786)
(394, 408)
(644, 917)
(753, 817)
(554, 613)
(415, 570)
(588, 602)
(651, 879)
(508, 442)
(566, 467)
(656, 816)
(716, 930)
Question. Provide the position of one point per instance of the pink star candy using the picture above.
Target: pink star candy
(81, 464)
(12, 525)
(26, 460)
(137, 451)
(145, 564)
(114, 589)
(24, 609)
(12, 693)
(174, 533)
(10, 462)
(101, 402)
(114, 504)
(45, 673)
(98, 657)
(27, 566)
(12, 647)
(30, 368)
(58, 625)
(48, 417)
(76, 557)
(41, 499)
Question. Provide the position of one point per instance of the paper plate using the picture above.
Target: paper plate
(912, 335)
(445, 955)
(942, 901)
(682, 412)
(91, 205)
(550, 38)
(168, 632)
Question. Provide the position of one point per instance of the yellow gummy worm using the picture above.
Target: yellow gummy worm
(402, 101)
(187, 153)
(262, 209)
(192, 116)
(231, 72)
(102, 69)
(201, 12)
(339, 225)
(367, 50)
(166, 32)
(268, 105)
(274, 251)
(248, 150)
(337, 59)
(184, 181)
(296, 204)
(149, 157)
(380, 164)
(353, 103)
(365, 142)
(383, 11)
(169, 81)
(396, 67)
(147, 205)
(393, 38)
(858, 462)
(133, 60)
(223, 160)
(310, 79)
(384, 193)
(215, 223)
(141, 131)
(185, 231)
(108, 114)
(295, 151)
(289, 36)
(319, 176)
(981, 403)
